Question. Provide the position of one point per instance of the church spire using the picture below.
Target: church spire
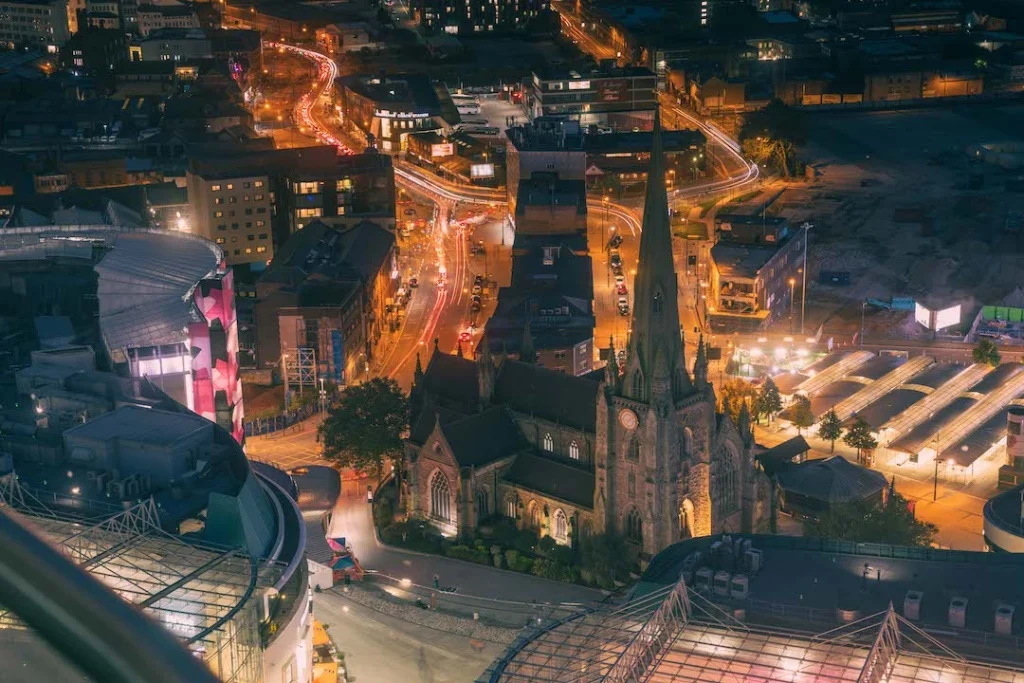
(417, 375)
(611, 370)
(656, 369)
(700, 365)
(526, 352)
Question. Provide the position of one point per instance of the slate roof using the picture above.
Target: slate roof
(547, 394)
(552, 478)
(427, 417)
(485, 437)
(833, 480)
(453, 378)
(780, 457)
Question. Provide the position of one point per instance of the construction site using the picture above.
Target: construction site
(922, 412)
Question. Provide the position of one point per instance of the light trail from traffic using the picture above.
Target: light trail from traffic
(327, 71)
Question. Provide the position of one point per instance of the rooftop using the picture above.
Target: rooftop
(741, 260)
(143, 425)
(541, 191)
(406, 89)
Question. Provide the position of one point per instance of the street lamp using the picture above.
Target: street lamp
(803, 287)
(604, 200)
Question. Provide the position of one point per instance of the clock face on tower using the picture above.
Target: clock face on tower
(627, 418)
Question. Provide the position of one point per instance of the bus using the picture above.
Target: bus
(467, 108)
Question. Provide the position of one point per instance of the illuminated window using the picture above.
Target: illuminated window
(231, 186)
(221, 240)
(574, 450)
(549, 443)
(258, 183)
(309, 213)
(261, 250)
(218, 214)
(344, 185)
(215, 188)
(561, 527)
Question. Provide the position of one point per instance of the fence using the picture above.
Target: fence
(268, 425)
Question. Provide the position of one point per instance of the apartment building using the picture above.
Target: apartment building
(234, 210)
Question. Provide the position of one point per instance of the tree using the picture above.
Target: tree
(769, 135)
(768, 400)
(736, 392)
(865, 522)
(859, 436)
(607, 556)
(830, 428)
(801, 414)
(364, 429)
(987, 352)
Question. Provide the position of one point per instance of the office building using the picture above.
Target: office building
(329, 296)
(41, 24)
(155, 17)
(479, 16)
(622, 99)
(384, 109)
(754, 268)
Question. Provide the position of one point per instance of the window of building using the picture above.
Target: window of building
(246, 184)
(221, 240)
(248, 250)
(561, 527)
(222, 226)
(234, 226)
(633, 452)
(231, 186)
(309, 213)
(440, 497)
(257, 197)
(549, 443)
(482, 506)
(344, 185)
(261, 250)
(510, 507)
(261, 209)
(251, 238)
(232, 200)
(631, 485)
(574, 450)
(214, 188)
(258, 183)
(634, 526)
(237, 252)
(218, 200)
(263, 235)
(307, 187)
(560, 354)
(245, 197)
(260, 224)
(218, 214)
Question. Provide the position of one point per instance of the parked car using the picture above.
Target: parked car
(623, 301)
(616, 260)
(475, 306)
(477, 290)
(465, 337)
(615, 241)
(620, 288)
(624, 309)
(620, 279)
(414, 283)
(478, 280)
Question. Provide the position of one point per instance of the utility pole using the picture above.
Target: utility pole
(863, 303)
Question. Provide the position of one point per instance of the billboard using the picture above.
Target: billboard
(481, 171)
(444, 149)
(947, 317)
(613, 90)
(923, 316)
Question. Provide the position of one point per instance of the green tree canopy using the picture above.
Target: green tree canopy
(608, 556)
(859, 436)
(891, 523)
(769, 135)
(364, 428)
(987, 352)
(768, 401)
(801, 413)
(736, 392)
(830, 428)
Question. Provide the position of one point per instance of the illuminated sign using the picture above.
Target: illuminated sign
(445, 149)
(385, 114)
(947, 317)
(613, 90)
(923, 316)
(579, 85)
(481, 171)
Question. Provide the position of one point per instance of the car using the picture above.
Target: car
(475, 306)
(410, 212)
(440, 284)
(620, 279)
(623, 301)
(616, 241)
(477, 289)
(465, 337)
(620, 288)
(478, 280)
(616, 260)
(413, 283)
(623, 310)
(617, 268)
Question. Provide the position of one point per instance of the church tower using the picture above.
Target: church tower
(656, 362)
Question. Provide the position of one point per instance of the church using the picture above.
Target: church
(636, 449)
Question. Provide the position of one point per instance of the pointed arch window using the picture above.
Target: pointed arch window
(574, 450)
(549, 443)
(561, 527)
(510, 507)
(440, 498)
(657, 304)
(631, 485)
(634, 527)
(482, 504)
(638, 385)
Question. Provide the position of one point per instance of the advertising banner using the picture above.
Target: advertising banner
(613, 90)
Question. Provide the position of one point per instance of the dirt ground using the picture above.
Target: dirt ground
(900, 204)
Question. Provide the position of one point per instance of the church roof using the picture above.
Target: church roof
(547, 394)
(834, 480)
(485, 437)
(781, 456)
(425, 419)
(552, 478)
(453, 378)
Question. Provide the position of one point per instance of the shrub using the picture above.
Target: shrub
(524, 564)
(546, 545)
(511, 558)
(415, 534)
(540, 567)
(562, 554)
(383, 513)
(526, 541)
(461, 552)
(482, 556)
(499, 560)
(504, 532)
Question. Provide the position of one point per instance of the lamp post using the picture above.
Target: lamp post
(792, 286)
(604, 219)
(803, 288)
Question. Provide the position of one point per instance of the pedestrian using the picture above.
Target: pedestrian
(437, 582)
